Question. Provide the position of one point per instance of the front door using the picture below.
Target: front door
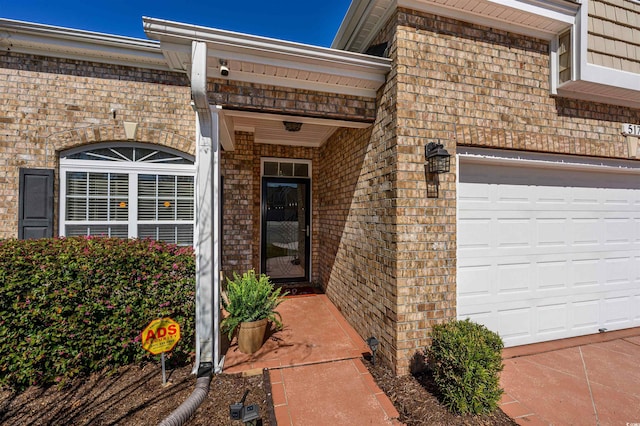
(285, 229)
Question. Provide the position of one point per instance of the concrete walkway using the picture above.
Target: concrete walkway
(314, 365)
(591, 380)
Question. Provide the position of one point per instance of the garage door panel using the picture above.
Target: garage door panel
(548, 253)
(553, 275)
(552, 232)
(552, 319)
(617, 310)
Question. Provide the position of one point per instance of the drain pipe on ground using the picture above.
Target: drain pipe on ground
(184, 412)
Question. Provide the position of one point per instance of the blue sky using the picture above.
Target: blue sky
(301, 21)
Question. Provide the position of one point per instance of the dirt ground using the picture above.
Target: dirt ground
(135, 396)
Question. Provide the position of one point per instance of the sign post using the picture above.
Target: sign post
(160, 336)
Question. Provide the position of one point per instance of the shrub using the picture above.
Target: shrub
(72, 306)
(466, 361)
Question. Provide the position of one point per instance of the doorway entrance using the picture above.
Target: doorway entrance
(285, 229)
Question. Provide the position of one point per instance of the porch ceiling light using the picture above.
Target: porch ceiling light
(292, 126)
(438, 158)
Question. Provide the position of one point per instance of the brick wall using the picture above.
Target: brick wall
(471, 85)
(358, 242)
(242, 192)
(282, 100)
(49, 105)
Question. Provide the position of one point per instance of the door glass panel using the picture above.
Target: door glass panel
(285, 230)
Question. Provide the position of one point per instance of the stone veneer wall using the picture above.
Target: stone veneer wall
(50, 104)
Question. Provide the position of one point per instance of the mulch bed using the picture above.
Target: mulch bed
(135, 396)
(132, 396)
(415, 398)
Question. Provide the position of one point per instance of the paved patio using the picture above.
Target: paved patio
(591, 380)
(314, 365)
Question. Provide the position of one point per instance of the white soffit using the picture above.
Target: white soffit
(269, 128)
(263, 60)
(59, 42)
(537, 18)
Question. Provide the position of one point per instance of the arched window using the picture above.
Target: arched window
(128, 191)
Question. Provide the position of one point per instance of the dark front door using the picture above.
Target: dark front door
(285, 229)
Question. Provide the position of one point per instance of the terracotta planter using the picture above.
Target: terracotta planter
(251, 336)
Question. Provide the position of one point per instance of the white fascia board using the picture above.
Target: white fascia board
(244, 47)
(47, 40)
(557, 10)
(564, 20)
(610, 77)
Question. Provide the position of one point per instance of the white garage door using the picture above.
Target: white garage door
(547, 249)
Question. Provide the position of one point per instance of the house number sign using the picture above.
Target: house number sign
(631, 129)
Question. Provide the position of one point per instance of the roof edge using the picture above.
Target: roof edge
(49, 40)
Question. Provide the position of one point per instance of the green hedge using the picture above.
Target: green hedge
(72, 306)
(466, 359)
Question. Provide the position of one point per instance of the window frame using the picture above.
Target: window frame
(130, 168)
(555, 59)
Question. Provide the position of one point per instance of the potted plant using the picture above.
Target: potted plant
(250, 302)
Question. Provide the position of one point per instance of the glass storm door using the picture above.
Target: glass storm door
(285, 229)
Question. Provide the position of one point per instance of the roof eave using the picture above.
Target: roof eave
(53, 41)
(176, 39)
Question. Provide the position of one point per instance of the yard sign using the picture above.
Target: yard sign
(161, 335)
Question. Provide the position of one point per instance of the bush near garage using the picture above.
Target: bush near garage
(466, 359)
(73, 306)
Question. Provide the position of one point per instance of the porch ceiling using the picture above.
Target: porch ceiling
(538, 18)
(269, 61)
(269, 128)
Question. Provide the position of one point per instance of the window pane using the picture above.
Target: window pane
(270, 168)
(98, 184)
(167, 233)
(166, 210)
(286, 169)
(185, 186)
(76, 183)
(99, 230)
(98, 209)
(76, 209)
(147, 231)
(302, 170)
(119, 185)
(185, 210)
(166, 186)
(119, 209)
(146, 209)
(76, 230)
(119, 231)
(147, 186)
(185, 235)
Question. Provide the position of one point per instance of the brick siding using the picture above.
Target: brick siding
(54, 104)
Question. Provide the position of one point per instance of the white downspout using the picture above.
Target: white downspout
(207, 215)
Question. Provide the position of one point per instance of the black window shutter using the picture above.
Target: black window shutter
(35, 211)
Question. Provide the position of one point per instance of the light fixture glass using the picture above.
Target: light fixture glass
(438, 158)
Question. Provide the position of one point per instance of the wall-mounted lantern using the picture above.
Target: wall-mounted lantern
(438, 158)
(438, 161)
